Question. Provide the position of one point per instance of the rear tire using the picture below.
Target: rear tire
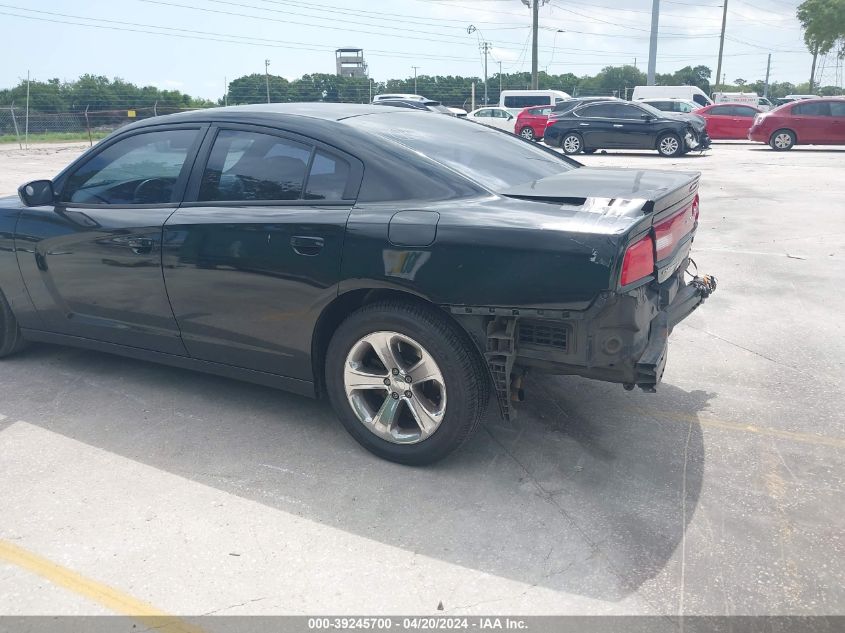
(572, 143)
(389, 406)
(11, 340)
(782, 140)
(527, 133)
(669, 145)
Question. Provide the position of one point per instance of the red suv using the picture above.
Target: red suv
(531, 122)
(806, 122)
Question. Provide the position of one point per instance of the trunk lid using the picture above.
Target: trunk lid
(611, 191)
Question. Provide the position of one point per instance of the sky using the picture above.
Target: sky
(196, 45)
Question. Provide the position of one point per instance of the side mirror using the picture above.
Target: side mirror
(37, 193)
(647, 117)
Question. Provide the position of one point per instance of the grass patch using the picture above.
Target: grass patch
(53, 137)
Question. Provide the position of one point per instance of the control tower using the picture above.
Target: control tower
(350, 62)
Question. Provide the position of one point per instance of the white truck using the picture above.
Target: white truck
(691, 93)
(745, 98)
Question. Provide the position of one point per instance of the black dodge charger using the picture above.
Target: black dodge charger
(404, 264)
(607, 123)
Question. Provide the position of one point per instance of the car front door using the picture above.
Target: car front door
(719, 122)
(92, 261)
(633, 126)
(253, 255)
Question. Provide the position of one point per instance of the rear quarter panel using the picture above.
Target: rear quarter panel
(485, 253)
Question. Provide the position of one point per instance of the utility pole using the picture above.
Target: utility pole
(485, 48)
(500, 77)
(267, 77)
(766, 85)
(26, 133)
(535, 18)
(225, 91)
(721, 43)
(415, 77)
(652, 46)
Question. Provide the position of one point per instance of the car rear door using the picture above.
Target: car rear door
(812, 122)
(92, 261)
(837, 125)
(253, 255)
(594, 124)
(741, 120)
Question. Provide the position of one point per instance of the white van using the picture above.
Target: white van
(515, 100)
(693, 93)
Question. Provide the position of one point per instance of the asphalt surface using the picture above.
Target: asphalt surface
(721, 494)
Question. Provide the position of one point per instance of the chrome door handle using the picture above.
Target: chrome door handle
(140, 245)
(583, 124)
(617, 125)
(306, 245)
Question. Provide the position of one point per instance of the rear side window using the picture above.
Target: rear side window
(600, 110)
(744, 111)
(140, 169)
(328, 177)
(252, 166)
(837, 108)
(812, 108)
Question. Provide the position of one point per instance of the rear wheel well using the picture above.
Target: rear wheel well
(335, 313)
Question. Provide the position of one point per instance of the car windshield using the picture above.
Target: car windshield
(490, 157)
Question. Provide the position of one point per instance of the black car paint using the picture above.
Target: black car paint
(160, 282)
(628, 133)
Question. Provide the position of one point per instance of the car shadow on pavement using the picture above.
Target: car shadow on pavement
(588, 492)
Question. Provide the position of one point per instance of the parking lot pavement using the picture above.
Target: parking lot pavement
(721, 494)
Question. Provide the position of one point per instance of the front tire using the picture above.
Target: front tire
(782, 140)
(669, 145)
(572, 143)
(11, 340)
(406, 381)
(527, 133)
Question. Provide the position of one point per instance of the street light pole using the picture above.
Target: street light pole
(267, 77)
(721, 43)
(652, 47)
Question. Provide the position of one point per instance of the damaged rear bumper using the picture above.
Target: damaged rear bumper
(622, 338)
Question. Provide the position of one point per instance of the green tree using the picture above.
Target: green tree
(253, 89)
(823, 22)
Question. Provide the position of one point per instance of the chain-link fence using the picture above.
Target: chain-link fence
(17, 125)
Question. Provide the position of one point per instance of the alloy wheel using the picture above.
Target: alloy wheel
(668, 145)
(783, 140)
(395, 387)
(572, 144)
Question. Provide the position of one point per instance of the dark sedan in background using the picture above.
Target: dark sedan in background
(404, 264)
(585, 126)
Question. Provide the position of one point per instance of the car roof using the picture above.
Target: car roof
(315, 110)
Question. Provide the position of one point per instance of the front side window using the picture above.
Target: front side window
(140, 169)
(837, 108)
(684, 107)
(483, 113)
(246, 166)
(744, 111)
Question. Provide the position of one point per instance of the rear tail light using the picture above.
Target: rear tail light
(640, 257)
(672, 230)
(638, 261)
